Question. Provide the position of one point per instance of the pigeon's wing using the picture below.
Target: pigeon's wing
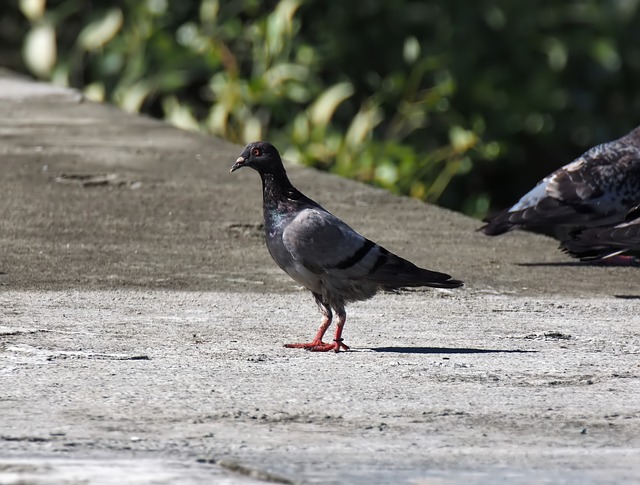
(598, 186)
(537, 207)
(547, 212)
(534, 196)
(604, 179)
(324, 244)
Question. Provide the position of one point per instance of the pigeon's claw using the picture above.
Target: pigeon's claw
(307, 346)
(319, 346)
(336, 345)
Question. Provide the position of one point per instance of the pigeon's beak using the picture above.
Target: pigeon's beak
(240, 162)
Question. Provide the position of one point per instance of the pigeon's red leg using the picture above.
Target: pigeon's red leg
(317, 341)
(337, 341)
(317, 345)
(337, 344)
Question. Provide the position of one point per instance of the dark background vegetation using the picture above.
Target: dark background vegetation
(463, 103)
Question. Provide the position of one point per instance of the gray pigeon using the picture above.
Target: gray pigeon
(321, 252)
(597, 188)
(605, 242)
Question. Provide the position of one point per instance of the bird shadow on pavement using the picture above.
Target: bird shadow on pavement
(446, 350)
(569, 264)
(566, 264)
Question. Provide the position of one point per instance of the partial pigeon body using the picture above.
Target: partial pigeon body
(324, 254)
(597, 188)
(605, 242)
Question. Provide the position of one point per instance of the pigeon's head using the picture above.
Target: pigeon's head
(260, 156)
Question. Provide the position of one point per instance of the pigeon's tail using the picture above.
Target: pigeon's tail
(547, 216)
(593, 254)
(577, 249)
(501, 222)
(446, 281)
(603, 242)
(400, 273)
(495, 228)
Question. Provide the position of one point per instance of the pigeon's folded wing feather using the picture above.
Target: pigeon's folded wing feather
(599, 179)
(577, 182)
(324, 244)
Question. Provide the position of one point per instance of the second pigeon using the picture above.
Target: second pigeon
(597, 188)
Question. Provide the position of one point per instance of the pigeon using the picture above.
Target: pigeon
(600, 243)
(597, 188)
(324, 254)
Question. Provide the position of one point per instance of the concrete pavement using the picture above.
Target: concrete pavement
(142, 323)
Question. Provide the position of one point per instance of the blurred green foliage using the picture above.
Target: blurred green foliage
(462, 103)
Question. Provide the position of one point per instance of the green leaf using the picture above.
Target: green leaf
(411, 50)
(325, 106)
(33, 9)
(362, 125)
(39, 49)
(101, 31)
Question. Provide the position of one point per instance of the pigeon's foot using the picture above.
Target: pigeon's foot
(319, 346)
(619, 260)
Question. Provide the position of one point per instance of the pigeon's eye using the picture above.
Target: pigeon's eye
(255, 152)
